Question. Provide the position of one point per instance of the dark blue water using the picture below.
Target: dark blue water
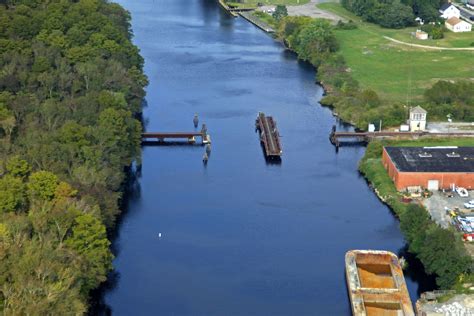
(240, 236)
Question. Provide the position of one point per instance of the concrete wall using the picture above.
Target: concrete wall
(445, 179)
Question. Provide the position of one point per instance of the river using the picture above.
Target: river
(240, 236)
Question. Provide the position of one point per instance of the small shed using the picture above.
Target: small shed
(419, 34)
(417, 119)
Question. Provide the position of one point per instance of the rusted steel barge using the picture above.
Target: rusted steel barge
(376, 284)
(269, 135)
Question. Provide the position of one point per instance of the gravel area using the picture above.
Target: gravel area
(445, 127)
(460, 305)
(438, 201)
(308, 9)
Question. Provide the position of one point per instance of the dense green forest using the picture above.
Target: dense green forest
(394, 13)
(71, 89)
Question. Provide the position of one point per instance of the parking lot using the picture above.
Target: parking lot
(437, 203)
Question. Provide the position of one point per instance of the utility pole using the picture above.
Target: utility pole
(449, 123)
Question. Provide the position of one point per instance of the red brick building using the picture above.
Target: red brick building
(431, 168)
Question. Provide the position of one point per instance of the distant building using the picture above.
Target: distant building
(417, 120)
(457, 25)
(419, 34)
(431, 168)
(448, 10)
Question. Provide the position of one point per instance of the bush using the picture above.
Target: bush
(387, 14)
(346, 25)
(435, 31)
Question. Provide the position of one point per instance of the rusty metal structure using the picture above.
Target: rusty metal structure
(189, 136)
(337, 138)
(269, 136)
(376, 284)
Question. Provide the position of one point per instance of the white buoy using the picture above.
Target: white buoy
(159, 235)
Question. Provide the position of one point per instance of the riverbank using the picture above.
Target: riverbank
(449, 260)
(372, 168)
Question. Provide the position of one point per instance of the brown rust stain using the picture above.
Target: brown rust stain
(376, 284)
(376, 276)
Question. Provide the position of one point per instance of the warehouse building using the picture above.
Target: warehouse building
(430, 168)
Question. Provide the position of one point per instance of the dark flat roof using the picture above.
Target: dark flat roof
(432, 159)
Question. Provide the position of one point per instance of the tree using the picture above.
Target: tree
(12, 194)
(7, 120)
(395, 15)
(41, 280)
(280, 12)
(89, 239)
(413, 223)
(42, 185)
(18, 167)
(315, 41)
(445, 256)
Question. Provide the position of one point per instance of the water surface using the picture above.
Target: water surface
(240, 236)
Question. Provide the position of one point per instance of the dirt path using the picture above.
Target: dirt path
(308, 9)
(428, 47)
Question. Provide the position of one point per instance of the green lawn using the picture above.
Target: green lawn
(397, 72)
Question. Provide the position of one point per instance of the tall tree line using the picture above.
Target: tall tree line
(394, 13)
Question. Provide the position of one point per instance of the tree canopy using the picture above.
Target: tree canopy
(71, 90)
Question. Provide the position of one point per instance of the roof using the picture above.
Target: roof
(418, 109)
(453, 21)
(432, 159)
(445, 6)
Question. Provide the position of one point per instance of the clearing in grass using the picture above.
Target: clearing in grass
(399, 73)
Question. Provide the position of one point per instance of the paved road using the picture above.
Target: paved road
(465, 13)
(445, 127)
(308, 9)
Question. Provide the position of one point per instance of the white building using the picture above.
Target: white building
(457, 25)
(417, 119)
(448, 11)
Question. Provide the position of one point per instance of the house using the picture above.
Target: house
(432, 168)
(448, 10)
(419, 34)
(457, 25)
(417, 120)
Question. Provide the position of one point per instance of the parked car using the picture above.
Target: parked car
(469, 205)
(471, 18)
(462, 192)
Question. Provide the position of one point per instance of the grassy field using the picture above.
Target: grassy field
(397, 72)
